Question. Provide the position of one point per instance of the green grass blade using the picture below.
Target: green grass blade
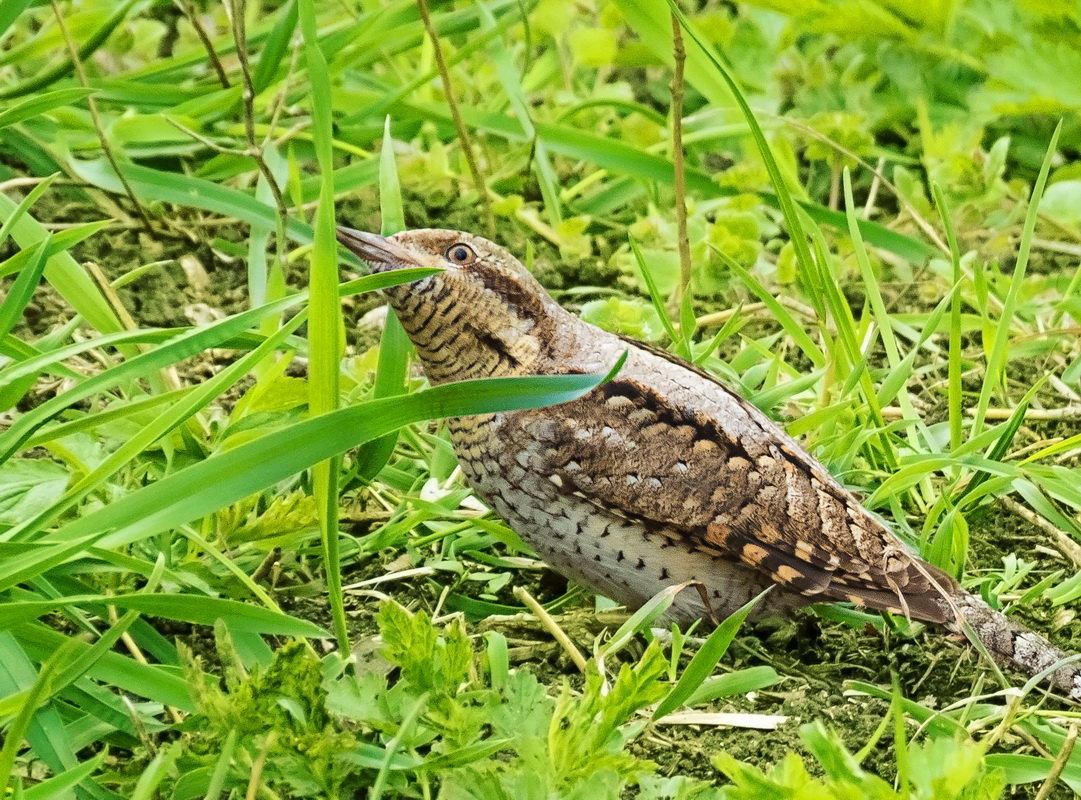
(58, 785)
(382, 280)
(275, 47)
(749, 679)
(788, 322)
(159, 683)
(22, 288)
(39, 104)
(197, 610)
(705, 660)
(175, 415)
(16, 732)
(325, 326)
(62, 271)
(679, 341)
(996, 359)
(58, 243)
(183, 346)
(955, 366)
(187, 191)
(227, 477)
(13, 216)
(394, 346)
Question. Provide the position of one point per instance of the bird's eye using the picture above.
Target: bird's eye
(461, 253)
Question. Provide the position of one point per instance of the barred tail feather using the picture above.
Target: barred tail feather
(1012, 644)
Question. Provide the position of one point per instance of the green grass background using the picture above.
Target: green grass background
(208, 431)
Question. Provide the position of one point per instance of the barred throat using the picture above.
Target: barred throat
(463, 331)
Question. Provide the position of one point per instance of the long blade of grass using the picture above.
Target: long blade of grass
(162, 684)
(38, 693)
(954, 388)
(705, 660)
(39, 104)
(58, 243)
(62, 271)
(174, 416)
(394, 346)
(45, 732)
(24, 205)
(275, 47)
(198, 610)
(58, 785)
(996, 359)
(325, 327)
(22, 288)
(788, 322)
(187, 191)
(227, 477)
(679, 340)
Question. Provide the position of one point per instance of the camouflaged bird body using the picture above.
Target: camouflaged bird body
(663, 456)
(661, 475)
(618, 554)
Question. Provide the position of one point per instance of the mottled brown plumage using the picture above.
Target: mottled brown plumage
(662, 475)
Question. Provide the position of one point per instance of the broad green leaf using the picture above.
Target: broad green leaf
(28, 486)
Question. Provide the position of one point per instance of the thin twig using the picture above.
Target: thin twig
(716, 319)
(463, 134)
(137, 653)
(169, 375)
(552, 627)
(872, 193)
(266, 566)
(1058, 247)
(18, 183)
(205, 141)
(189, 12)
(95, 117)
(684, 244)
(236, 11)
(835, 183)
(1060, 764)
(1068, 413)
(255, 781)
(1065, 543)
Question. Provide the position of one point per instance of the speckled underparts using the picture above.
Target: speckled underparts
(662, 475)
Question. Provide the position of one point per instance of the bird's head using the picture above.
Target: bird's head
(482, 314)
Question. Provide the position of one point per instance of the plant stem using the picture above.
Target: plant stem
(679, 54)
(193, 18)
(95, 117)
(463, 133)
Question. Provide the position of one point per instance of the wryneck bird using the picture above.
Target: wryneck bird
(662, 475)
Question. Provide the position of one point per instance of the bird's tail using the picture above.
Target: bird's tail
(1010, 643)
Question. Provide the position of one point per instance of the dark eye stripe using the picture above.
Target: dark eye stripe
(507, 288)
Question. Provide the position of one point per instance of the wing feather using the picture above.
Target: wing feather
(756, 498)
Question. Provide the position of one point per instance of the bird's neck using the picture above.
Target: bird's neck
(462, 335)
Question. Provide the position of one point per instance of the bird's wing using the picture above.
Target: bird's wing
(737, 487)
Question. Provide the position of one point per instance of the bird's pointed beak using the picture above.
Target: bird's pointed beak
(379, 252)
